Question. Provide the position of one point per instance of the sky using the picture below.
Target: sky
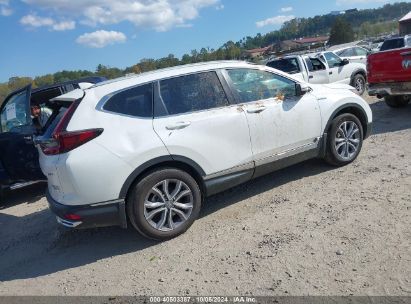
(46, 36)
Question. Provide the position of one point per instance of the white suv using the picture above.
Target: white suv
(147, 149)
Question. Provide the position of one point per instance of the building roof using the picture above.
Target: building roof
(407, 17)
(312, 39)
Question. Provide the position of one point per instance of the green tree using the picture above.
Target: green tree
(19, 82)
(186, 59)
(4, 91)
(341, 32)
(108, 72)
(44, 80)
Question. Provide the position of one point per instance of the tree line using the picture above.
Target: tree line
(363, 23)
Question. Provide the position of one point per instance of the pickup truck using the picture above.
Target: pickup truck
(322, 68)
(389, 76)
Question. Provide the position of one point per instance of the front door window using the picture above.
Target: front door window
(14, 113)
(252, 85)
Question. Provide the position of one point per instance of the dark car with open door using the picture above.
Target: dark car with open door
(19, 164)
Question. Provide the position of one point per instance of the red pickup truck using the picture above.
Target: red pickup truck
(389, 76)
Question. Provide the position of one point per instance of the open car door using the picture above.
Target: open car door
(18, 155)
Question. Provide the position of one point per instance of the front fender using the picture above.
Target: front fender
(329, 110)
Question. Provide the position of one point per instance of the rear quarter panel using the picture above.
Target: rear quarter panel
(96, 171)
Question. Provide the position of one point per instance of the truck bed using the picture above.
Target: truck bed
(392, 66)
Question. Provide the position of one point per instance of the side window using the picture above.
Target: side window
(309, 64)
(332, 59)
(392, 44)
(14, 113)
(360, 52)
(137, 101)
(317, 64)
(288, 65)
(254, 85)
(346, 53)
(192, 93)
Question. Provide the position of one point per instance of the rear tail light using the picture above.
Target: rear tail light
(72, 217)
(66, 141)
(63, 141)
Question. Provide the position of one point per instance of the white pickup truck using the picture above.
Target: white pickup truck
(324, 67)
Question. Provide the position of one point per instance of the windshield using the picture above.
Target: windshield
(288, 65)
(14, 114)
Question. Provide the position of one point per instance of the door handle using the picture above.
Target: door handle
(255, 110)
(178, 125)
(310, 77)
(330, 73)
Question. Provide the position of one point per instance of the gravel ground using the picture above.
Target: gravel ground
(306, 230)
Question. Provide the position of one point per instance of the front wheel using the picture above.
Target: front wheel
(344, 141)
(399, 101)
(359, 83)
(164, 204)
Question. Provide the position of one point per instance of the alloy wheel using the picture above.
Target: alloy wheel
(359, 85)
(168, 204)
(347, 140)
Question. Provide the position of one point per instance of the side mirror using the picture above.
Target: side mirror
(345, 61)
(301, 89)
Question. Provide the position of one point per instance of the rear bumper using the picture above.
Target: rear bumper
(389, 88)
(90, 216)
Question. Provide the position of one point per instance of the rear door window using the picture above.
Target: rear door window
(346, 53)
(192, 93)
(360, 52)
(136, 101)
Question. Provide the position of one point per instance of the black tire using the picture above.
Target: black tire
(335, 133)
(1, 195)
(359, 83)
(3, 192)
(399, 101)
(137, 209)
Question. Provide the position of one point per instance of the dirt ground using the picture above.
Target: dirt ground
(306, 230)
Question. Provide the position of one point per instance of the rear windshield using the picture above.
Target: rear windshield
(392, 44)
(288, 65)
(53, 124)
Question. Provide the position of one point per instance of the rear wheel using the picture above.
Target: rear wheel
(398, 101)
(344, 141)
(164, 204)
